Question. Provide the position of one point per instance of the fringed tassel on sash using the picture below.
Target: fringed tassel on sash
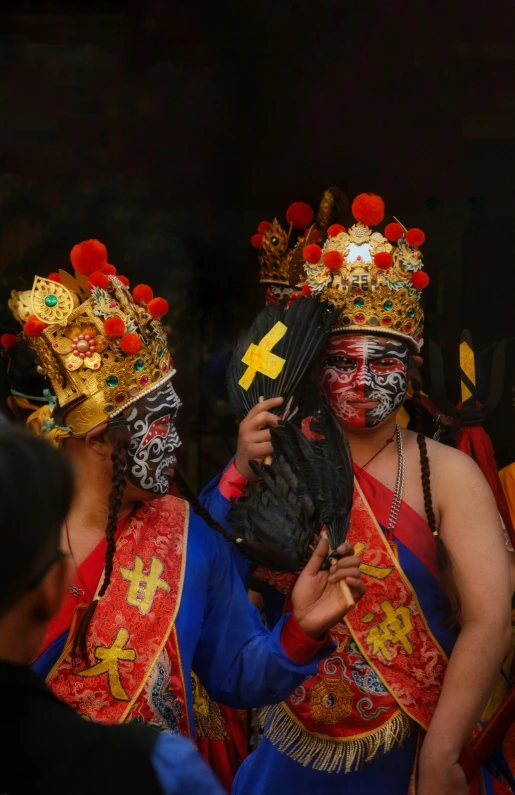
(324, 753)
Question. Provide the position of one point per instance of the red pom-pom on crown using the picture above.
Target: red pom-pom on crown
(415, 237)
(109, 269)
(124, 280)
(393, 232)
(142, 294)
(333, 260)
(88, 256)
(299, 215)
(8, 341)
(256, 240)
(54, 277)
(420, 280)
(368, 208)
(34, 327)
(114, 327)
(98, 279)
(130, 343)
(306, 290)
(158, 307)
(383, 260)
(263, 226)
(335, 229)
(312, 253)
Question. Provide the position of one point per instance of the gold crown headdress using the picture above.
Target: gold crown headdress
(375, 279)
(101, 346)
(274, 244)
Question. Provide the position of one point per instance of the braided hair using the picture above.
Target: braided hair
(120, 438)
(189, 495)
(443, 559)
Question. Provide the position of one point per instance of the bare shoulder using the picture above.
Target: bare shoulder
(453, 472)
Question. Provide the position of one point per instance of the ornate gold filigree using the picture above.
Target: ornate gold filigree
(51, 302)
(92, 378)
(370, 299)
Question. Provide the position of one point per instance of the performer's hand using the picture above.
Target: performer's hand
(254, 442)
(443, 778)
(318, 602)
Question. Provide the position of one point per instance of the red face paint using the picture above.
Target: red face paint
(364, 377)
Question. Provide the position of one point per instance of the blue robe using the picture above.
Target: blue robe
(267, 771)
(220, 634)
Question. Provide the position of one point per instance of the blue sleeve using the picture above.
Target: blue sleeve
(180, 769)
(218, 506)
(239, 661)
(213, 500)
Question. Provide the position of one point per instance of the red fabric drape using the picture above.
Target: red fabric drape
(474, 440)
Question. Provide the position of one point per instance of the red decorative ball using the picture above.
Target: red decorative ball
(306, 290)
(142, 294)
(256, 240)
(312, 253)
(54, 277)
(88, 256)
(98, 279)
(109, 270)
(420, 280)
(335, 229)
(393, 232)
(124, 280)
(263, 226)
(158, 307)
(34, 327)
(130, 343)
(114, 327)
(333, 260)
(383, 260)
(368, 208)
(299, 215)
(415, 237)
(8, 341)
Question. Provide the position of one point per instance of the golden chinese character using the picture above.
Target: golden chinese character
(394, 629)
(143, 587)
(260, 360)
(377, 572)
(109, 656)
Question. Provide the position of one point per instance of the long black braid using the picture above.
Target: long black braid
(444, 568)
(120, 439)
(189, 495)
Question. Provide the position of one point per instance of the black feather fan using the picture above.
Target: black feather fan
(298, 340)
(309, 485)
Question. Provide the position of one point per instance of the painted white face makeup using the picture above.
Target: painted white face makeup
(154, 439)
(364, 377)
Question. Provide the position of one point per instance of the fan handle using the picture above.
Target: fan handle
(350, 604)
(268, 458)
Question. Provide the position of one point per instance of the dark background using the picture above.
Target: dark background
(169, 130)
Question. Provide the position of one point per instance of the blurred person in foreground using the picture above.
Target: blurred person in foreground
(46, 747)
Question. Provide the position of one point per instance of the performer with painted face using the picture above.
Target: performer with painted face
(391, 710)
(155, 593)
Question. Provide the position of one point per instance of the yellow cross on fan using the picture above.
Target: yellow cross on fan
(260, 359)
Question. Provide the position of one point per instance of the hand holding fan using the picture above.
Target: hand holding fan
(308, 486)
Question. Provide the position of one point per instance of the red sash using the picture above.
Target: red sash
(365, 694)
(130, 674)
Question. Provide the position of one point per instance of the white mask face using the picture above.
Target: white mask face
(154, 439)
